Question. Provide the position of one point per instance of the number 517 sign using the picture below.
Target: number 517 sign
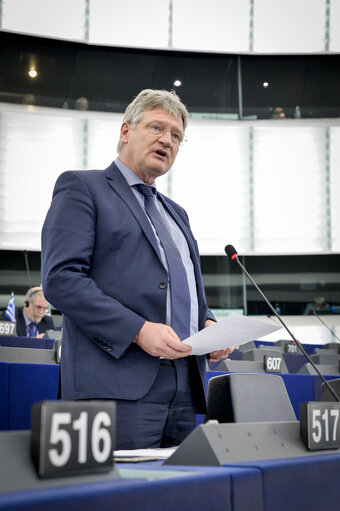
(320, 425)
(72, 437)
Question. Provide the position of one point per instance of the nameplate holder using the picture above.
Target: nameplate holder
(8, 328)
(72, 437)
(320, 425)
(291, 348)
(272, 364)
(214, 444)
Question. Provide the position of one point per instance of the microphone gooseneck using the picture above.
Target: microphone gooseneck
(232, 253)
(321, 321)
(29, 282)
(27, 269)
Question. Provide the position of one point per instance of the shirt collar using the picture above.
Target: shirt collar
(129, 175)
(27, 321)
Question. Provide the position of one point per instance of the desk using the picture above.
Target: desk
(130, 488)
(25, 342)
(178, 490)
(294, 361)
(291, 484)
(21, 385)
(307, 347)
(300, 483)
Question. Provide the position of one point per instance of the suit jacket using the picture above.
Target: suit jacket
(101, 269)
(45, 324)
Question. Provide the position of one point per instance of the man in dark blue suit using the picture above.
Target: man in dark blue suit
(120, 262)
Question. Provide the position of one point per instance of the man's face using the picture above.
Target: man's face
(150, 148)
(36, 308)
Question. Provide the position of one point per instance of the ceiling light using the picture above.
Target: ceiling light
(32, 73)
(177, 83)
(265, 84)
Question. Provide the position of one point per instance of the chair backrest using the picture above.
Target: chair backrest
(326, 394)
(248, 397)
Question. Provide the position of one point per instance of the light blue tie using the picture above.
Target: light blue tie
(179, 289)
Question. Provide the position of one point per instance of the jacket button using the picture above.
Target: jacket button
(109, 348)
(162, 285)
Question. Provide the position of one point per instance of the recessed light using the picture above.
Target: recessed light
(177, 83)
(32, 73)
(265, 84)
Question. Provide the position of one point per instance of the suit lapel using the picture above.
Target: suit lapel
(119, 184)
(21, 325)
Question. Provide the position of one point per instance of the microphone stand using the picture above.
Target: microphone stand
(331, 390)
(30, 283)
(331, 331)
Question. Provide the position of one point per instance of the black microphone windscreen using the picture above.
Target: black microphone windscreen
(230, 251)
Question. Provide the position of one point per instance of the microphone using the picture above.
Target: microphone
(232, 253)
(27, 269)
(29, 282)
(321, 321)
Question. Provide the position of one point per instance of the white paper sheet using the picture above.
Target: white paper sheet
(160, 453)
(234, 330)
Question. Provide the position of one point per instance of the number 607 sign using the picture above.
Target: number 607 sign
(70, 438)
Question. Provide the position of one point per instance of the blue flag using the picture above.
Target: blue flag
(10, 311)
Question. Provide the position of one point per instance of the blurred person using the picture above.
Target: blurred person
(82, 104)
(318, 305)
(278, 113)
(31, 320)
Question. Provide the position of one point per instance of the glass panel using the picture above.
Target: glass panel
(217, 25)
(310, 83)
(36, 148)
(209, 83)
(210, 180)
(335, 186)
(290, 26)
(290, 190)
(62, 19)
(292, 282)
(129, 23)
(103, 137)
(289, 282)
(334, 44)
(211, 177)
(90, 77)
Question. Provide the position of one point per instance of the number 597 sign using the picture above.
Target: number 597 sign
(73, 437)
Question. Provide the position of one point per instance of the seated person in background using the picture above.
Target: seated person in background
(278, 113)
(319, 305)
(30, 318)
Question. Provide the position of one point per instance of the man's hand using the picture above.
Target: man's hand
(209, 322)
(217, 355)
(161, 341)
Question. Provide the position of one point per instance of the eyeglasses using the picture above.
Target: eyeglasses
(158, 130)
(40, 307)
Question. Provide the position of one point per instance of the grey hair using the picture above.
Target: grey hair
(36, 290)
(149, 99)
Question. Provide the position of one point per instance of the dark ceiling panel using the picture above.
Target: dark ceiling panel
(109, 77)
(310, 81)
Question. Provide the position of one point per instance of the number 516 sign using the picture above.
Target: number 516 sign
(72, 437)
